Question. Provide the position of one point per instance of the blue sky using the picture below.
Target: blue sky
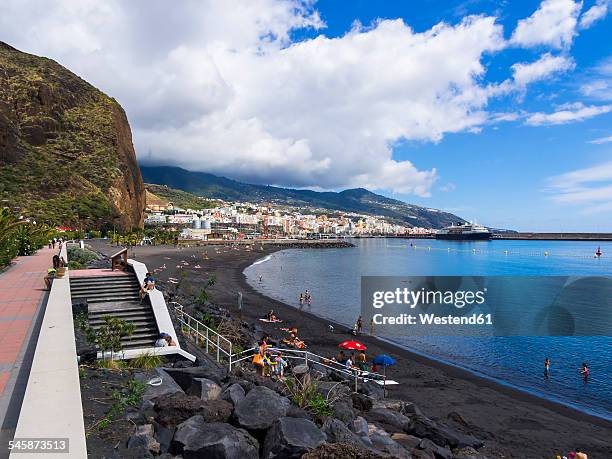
(499, 111)
(499, 176)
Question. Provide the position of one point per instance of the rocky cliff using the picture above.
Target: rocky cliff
(66, 153)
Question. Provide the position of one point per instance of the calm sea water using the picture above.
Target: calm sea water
(333, 277)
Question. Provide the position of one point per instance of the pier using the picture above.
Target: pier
(554, 236)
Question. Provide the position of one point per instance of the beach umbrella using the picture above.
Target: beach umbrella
(385, 361)
(352, 346)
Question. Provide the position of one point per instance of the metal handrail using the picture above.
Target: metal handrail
(204, 333)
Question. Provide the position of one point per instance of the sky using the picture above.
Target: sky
(499, 111)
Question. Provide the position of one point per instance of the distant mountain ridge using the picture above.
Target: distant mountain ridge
(358, 200)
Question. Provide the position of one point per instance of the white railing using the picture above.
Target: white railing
(211, 340)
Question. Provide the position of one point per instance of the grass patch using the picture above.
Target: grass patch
(147, 361)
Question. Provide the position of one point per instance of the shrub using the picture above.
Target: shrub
(307, 395)
(81, 256)
(147, 361)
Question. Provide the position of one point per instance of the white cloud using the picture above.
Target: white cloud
(568, 114)
(601, 140)
(594, 14)
(591, 188)
(221, 87)
(546, 66)
(599, 83)
(553, 24)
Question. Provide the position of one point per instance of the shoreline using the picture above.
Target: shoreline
(455, 370)
(511, 422)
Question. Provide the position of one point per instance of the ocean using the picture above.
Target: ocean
(333, 277)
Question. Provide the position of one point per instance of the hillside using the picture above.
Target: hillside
(356, 200)
(66, 153)
(163, 194)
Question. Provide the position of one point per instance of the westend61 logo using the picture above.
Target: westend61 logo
(487, 306)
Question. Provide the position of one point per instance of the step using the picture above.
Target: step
(104, 282)
(88, 278)
(95, 288)
(138, 343)
(106, 299)
(137, 314)
(103, 293)
(137, 321)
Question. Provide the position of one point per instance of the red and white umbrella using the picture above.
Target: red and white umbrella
(352, 346)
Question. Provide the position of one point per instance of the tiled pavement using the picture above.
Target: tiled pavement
(22, 295)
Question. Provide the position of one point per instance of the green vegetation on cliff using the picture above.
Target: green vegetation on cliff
(180, 198)
(66, 155)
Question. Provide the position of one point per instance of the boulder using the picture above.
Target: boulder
(176, 408)
(290, 438)
(143, 439)
(195, 438)
(372, 390)
(360, 426)
(246, 385)
(164, 436)
(343, 410)
(204, 388)
(407, 441)
(260, 408)
(233, 393)
(383, 442)
(438, 451)
(423, 427)
(167, 387)
(185, 376)
(296, 412)
(337, 432)
(388, 419)
(342, 451)
(361, 402)
(402, 407)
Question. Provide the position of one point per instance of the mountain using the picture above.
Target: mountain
(66, 153)
(162, 195)
(357, 200)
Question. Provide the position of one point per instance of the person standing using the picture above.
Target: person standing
(372, 327)
(359, 325)
(584, 371)
(546, 367)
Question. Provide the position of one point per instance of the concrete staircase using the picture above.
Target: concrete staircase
(117, 296)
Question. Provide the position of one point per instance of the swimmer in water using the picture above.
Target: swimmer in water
(546, 367)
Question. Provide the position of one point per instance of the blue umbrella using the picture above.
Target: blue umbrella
(385, 361)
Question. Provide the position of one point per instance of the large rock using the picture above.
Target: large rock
(173, 409)
(405, 408)
(195, 439)
(372, 390)
(260, 408)
(143, 439)
(423, 427)
(337, 432)
(438, 451)
(343, 410)
(290, 438)
(361, 402)
(168, 385)
(383, 442)
(342, 451)
(388, 419)
(407, 441)
(205, 389)
(233, 393)
(185, 376)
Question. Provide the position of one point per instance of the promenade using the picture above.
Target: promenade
(22, 297)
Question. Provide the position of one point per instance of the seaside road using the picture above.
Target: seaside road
(22, 299)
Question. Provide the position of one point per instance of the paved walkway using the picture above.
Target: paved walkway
(22, 294)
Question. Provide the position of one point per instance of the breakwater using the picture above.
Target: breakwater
(554, 236)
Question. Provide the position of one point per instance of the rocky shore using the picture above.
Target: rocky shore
(436, 411)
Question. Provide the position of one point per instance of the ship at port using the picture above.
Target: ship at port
(464, 232)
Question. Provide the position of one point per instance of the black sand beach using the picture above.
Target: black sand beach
(512, 423)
